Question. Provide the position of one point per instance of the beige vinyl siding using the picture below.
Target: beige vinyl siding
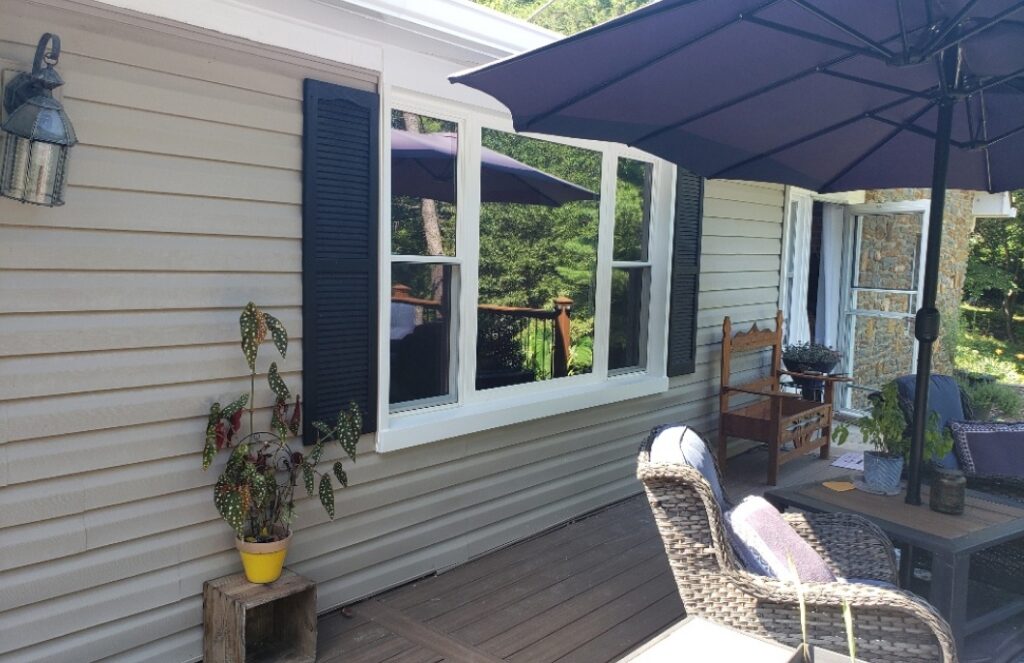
(118, 328)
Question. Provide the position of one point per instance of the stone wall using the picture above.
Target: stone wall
(883, 346)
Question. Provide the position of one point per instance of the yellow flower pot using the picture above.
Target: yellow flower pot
(263, 562)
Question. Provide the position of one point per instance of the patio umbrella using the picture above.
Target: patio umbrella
(829, 95)
(423, 166)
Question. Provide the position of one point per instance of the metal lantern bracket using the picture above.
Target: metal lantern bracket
(43, 78)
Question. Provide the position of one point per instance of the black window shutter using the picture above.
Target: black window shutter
(683, 306)
(340, 147)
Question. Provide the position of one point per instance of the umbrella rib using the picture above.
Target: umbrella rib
(877, 146)
(589, 92)
(821, 39)
(998, 80)
(995, 20)
(878, 84)
(809, 137)
(950, 24)
(843, 27)
(917, 130)
(903, 27)
(1001, 137)
(984, 135)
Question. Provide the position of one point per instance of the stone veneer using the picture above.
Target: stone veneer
(882, 348)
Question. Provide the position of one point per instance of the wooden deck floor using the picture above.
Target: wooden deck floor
(586, 592)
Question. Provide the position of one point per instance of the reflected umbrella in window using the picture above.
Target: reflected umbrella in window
(423, 166)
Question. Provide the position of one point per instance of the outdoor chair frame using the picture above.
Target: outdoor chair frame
(890, 625)
(776, 416)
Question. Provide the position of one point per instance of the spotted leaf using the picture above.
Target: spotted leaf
(339, 472)
(234, 406)
(277, 384)
(307, 479)
(278, 332)
(249, 324)
(327, 495)
(229, 503)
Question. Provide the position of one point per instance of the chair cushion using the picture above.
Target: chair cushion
(943, 399)
(673, 445)
(989, 448)
(769, 546)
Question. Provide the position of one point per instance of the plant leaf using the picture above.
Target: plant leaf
(209, 451)
(229, 503)
(327, 495)
(278, 332)
(249, 325)
(234, 406)
(339, 472)
(318, 450)
(324, 430)
(277, 385)
(307, 478)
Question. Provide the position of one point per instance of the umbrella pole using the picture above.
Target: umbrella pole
(926, 325)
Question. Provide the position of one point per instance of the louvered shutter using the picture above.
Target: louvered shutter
(339, 252)
(683, 305)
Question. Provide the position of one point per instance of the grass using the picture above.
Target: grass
(981, 348)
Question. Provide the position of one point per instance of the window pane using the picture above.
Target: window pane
(538, 244)
(421, 333)
(424, 160)
(627, 343)
(632, 209)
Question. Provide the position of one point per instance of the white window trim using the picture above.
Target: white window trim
(476, 411)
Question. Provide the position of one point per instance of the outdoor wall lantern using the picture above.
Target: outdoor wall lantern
(39, 135)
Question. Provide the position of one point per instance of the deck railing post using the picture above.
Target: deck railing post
(563, 306)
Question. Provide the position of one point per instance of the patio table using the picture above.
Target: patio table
(987, 521)
(696, 639)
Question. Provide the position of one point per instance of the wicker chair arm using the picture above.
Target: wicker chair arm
(852, 546)
(862, 599)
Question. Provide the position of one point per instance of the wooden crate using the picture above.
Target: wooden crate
(247, 622)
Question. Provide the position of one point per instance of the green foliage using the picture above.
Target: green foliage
(565, 16)
(979, 351)
(992, 401)
(255, 491)
(995, 268)
(886, 429)
(810, 353)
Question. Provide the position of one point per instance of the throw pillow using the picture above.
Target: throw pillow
(989, 448)
(769, 546)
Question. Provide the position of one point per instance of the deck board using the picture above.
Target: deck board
(589, 591)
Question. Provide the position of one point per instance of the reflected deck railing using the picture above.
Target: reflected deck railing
(515, 322)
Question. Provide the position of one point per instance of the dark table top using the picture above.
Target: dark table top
(987, 520)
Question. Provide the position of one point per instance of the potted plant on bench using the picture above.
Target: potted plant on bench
(810, 358)
(256, 487)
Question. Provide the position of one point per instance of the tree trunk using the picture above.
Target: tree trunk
(431, 221)
(1009, 305)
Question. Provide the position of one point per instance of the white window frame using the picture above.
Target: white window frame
(475, 411)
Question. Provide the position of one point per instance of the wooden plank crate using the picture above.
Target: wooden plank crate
(243, 621)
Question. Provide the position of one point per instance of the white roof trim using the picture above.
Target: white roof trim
(993, 205)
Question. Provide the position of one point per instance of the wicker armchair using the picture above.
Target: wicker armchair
(890, 625)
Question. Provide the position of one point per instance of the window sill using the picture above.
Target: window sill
(413, 429)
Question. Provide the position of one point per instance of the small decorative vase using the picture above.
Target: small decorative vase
(263, 562)
(882, 472)
(948, 492)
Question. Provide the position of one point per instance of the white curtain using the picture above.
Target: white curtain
(826, 327)
(798, 329)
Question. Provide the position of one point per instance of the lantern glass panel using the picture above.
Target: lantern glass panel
(33, 171)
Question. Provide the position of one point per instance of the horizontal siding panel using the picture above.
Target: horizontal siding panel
(61, 415)
(103, 209)
(104, 125)
(84, 372)
(54, 333)
(115, 169)
(725, 227)
(45, 292)
(772, 195)
(731, 246)
(35, 248)
(719, 209)
(711, 264)
(738, 280)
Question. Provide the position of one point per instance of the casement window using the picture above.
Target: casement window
(520, 277)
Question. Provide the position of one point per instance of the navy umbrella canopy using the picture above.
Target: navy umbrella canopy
(423, 166)
(829, 95)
